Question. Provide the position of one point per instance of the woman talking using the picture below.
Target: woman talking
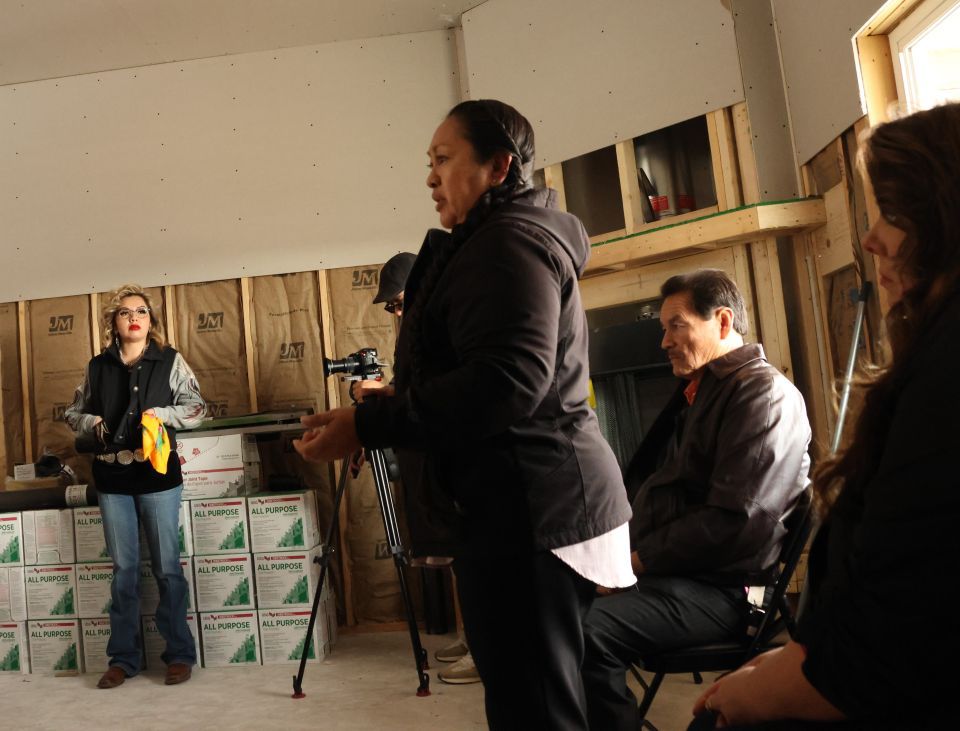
(138, 379)
(876, 628)
(501, 455)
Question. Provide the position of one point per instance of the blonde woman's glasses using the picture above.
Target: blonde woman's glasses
(137, 314)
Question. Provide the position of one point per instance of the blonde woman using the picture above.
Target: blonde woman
(138, 373)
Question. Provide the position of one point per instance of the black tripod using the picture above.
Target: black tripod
(361, 368)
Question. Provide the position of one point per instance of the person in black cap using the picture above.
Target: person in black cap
(393, 279)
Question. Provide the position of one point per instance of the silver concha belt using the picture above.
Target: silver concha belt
(124, 457)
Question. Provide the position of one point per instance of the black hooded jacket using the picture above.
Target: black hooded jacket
(499, 449)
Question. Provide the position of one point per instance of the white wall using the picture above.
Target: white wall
(261, 163)
(818, 67)
(589, 73)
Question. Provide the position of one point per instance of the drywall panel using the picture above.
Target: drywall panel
(262, 163)
(55, 38)
(587, 74)
(817, 54)
(777, 174)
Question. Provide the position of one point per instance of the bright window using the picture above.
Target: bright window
(927, 44)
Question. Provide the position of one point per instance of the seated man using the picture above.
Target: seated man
(710, 486)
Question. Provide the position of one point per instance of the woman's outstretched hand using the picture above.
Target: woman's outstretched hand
(330, 435)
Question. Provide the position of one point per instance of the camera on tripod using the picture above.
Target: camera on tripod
(360, 366)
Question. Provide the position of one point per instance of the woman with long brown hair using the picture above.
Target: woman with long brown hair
(876, 633)
(136, 377)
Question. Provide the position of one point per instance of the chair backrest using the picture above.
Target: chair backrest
(777, 612)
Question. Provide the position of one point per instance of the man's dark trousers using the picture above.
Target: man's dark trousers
(661, 613)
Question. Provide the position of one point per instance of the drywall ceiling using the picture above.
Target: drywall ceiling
(45, 39)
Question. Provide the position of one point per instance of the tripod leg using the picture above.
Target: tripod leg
(392, 528)
(326, 551)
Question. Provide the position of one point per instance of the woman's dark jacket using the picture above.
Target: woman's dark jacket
(879, 628)
(499, 449)
(161, 380)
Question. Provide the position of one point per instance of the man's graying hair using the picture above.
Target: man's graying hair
(709, 290)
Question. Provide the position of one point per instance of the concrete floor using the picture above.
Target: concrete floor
(367, 683)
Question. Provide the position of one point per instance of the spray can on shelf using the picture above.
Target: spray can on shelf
(662, 164)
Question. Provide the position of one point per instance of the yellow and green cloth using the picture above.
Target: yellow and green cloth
(156, 443)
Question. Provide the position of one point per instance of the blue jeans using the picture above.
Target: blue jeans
(159, 513)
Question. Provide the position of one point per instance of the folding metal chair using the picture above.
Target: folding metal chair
(776, 616)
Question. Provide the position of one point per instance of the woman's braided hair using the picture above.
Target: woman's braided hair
(491, 127)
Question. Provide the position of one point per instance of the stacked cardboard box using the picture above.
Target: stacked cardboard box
(14, 656)
(220, 466)
(50, 590)
(244, 607)
(285, 535)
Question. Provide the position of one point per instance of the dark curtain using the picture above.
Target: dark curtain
(627, 404)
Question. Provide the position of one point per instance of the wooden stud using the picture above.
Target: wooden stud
(95, 322)
(4, 457)
(879, 81)
(333, 401)
(807, 316)
(834, 246)
(170, 314)
(630, 192)
(888, 16)
(768, 286)
(553, 176)
(723, 155)
(245, 304)
(822, 333)
(749, 182)
(771, 312)
(827, 166)
(25, 368)
(744, 278)
(730, 227)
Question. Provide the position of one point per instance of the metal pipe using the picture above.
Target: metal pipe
(47, 498)
(862, 296)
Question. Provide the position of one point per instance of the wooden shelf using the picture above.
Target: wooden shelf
(657, 241)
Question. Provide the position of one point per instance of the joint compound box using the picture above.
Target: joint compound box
(88, 534)
(283, 521)
(215, 467)
(154, 644)
(11, 539)
(229, 639)
(224, 582)
(93, 589)
(150, 592)
(95, 632)
(13, 595)
(48, 537)
(283, 633)
(14, 655)
(51, 591)
(185, 534)
(286, 578)
(220, 526)
(54, 646)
